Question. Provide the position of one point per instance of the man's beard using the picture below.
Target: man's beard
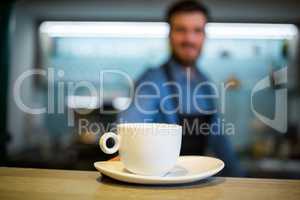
(185, 62)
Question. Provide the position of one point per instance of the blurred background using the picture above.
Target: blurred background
(72, 41)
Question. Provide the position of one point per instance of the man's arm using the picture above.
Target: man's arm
(222, 147)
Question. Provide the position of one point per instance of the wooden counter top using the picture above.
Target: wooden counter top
(20, 183)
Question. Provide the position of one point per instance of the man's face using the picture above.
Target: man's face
(187, 36)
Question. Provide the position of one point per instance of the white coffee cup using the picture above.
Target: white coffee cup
(145, 148)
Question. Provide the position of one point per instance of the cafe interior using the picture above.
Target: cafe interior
(48, 47)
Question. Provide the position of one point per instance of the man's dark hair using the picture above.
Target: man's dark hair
(186, 6)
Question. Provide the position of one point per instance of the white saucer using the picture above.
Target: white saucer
(188, 169)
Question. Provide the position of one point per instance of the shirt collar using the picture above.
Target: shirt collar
(178, 71)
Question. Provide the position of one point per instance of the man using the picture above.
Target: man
(167, 94)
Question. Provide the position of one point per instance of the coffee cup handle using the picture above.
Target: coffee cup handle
(103, 140)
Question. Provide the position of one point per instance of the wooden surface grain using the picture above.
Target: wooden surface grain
(20, 183)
